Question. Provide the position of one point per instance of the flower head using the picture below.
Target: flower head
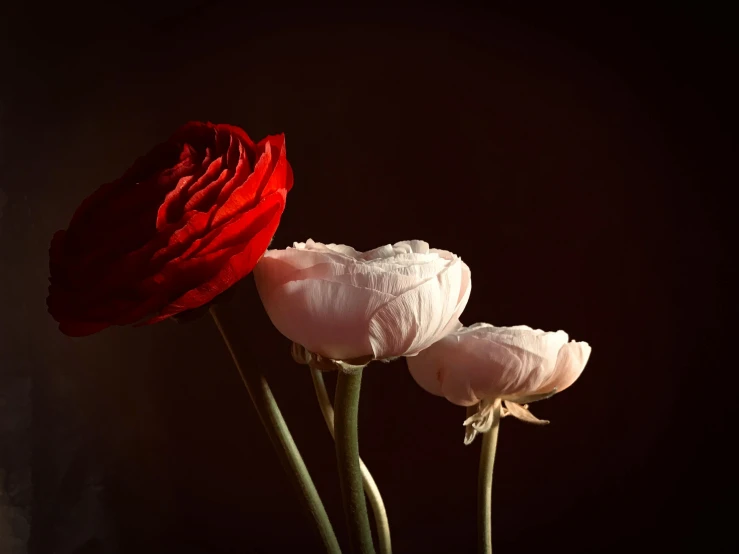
(342, 304)
(480, 364)
(183, 224)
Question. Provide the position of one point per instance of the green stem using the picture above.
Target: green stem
(485, 484)
(347, 455)
(284, 445)
(370, 487)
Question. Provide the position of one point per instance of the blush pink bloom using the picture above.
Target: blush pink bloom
(343, 304)
(481, 366)
(483, 362)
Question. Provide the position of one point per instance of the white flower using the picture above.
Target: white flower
(482, 364)
(343, 304)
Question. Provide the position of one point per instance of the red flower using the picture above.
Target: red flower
(184, 223)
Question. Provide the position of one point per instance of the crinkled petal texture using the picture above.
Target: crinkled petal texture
(486, 362)
(344, 304)
(182, 225)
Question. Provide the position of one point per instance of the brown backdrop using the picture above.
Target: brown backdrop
(573, 159)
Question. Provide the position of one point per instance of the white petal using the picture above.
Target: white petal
(537, 349)
(484, 362)
(417, 318)
(414, 246)
(277, 267)
(380, 253)
(338, 249)
(478, 327)
(426, 369)
(372, 277)
(488, 369)
(457, 389)
(466, 369)
(457, 326)
(405, 297)
(327, 318)
(570, 364)
(344, 250)
(464, 296)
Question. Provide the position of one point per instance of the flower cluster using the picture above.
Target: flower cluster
(197, 214)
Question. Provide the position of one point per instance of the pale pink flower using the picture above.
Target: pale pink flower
(481, 364)
(342, 304)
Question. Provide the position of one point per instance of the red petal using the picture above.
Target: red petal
(170, 209)
(282, 174)
(245, 225)
(240, 261)
(236, 171)
(246, 195)
(277, 143)
(239, 133)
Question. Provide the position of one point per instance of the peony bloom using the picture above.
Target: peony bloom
(478, 365)
(342, 304)
(181, 226)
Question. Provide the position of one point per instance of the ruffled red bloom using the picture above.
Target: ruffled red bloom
(183, 224)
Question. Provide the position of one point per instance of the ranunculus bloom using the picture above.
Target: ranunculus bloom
(342, 304)
(482, 361)
(481, 364)
(183, 224)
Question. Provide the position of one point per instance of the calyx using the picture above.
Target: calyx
(315, 361)
(481, 416)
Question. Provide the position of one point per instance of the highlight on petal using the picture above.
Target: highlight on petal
(418, 317)
(570, 364)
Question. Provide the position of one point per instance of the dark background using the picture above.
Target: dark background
(576, 158)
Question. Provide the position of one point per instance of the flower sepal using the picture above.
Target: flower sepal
(315, 361)
(480, 416)
(479, 419)
(521, 411)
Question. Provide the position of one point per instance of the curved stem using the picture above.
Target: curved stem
(284, 445)
(370, 487)
(347, 455)
(485, 484)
